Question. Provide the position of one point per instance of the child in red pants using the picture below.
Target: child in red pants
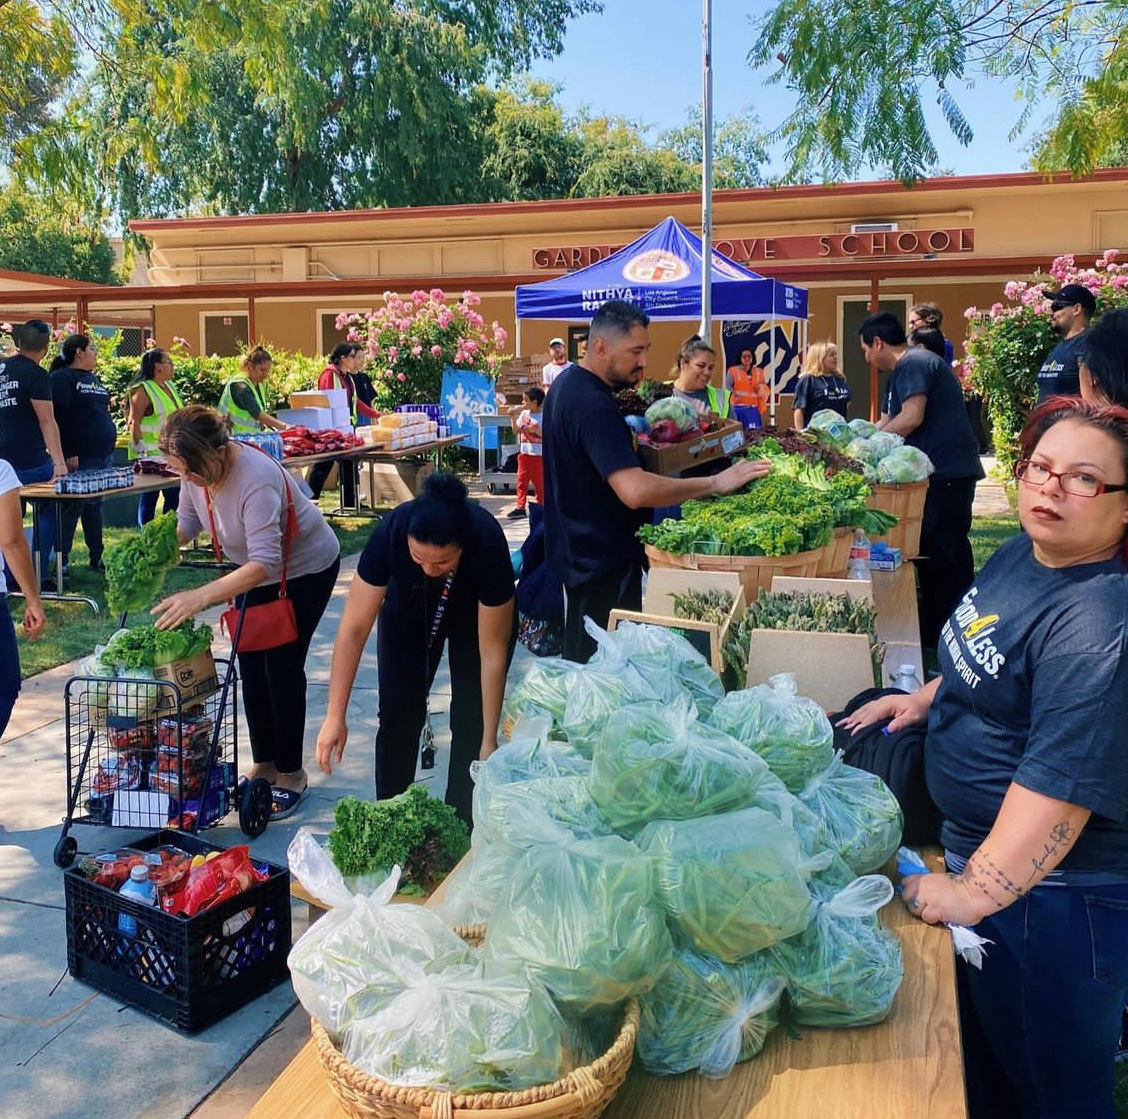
(530, 464)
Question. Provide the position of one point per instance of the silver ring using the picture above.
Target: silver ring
(913, 903)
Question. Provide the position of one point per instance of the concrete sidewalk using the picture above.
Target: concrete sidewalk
(70, 1051)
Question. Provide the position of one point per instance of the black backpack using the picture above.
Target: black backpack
(898, 759)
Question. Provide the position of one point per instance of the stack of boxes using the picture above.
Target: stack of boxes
(319, 410)
(400, 430)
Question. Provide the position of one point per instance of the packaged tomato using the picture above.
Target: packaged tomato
(111, 868)
(220, 878)
(174, 865)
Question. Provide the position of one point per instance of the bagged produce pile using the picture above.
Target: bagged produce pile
(542, 691)
(791, 733)
(708, 1015)
(730, 884)
(845, 969)
(657, 761)
(884, 455)
(584, 920)
(862, 818)
(521, 814)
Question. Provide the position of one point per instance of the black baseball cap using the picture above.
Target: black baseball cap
(1073, 293)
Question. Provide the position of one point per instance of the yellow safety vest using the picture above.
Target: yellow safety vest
(165, 399)
(719, 400)
(242, 423)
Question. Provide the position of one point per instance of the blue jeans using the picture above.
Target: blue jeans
(9, 665)
(90, 512)
(1040, 1022)
(147, 503)
(44, 517)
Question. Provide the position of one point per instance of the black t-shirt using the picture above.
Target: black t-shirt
(485, 571)
(82, 410)
(588, 531)
(21, 437)
(1035, 668)
(945, 434)
(815, 393)
(1059, 375)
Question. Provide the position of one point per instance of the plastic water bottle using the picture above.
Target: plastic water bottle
(857, 567)
(138, 888)
(907, 679)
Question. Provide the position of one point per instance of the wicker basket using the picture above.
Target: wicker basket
(906, 503)
(836, 555)
(754, 571)
(583, 1094)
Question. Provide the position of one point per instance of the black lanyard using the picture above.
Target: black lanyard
(440, 609)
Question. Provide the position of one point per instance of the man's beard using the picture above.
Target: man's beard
(1059, 328)
(628, 380)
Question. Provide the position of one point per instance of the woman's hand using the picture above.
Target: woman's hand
(936, 898)
(180, 607)
(489, 745)
(902, 711)
(331, 741)
(33, 620)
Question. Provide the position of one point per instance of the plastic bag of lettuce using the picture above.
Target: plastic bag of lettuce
(519, 814)
(904, 465)
(844, 970)
(731, 884)
(657, 761)
(583, 918)
(862, 819)
(543, 690)
(708, 1015)
(790, 732)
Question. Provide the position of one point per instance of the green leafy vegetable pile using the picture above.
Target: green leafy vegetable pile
(422, 835)
(149, 647)
(135, 568)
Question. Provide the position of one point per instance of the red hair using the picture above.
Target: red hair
(1109, 418)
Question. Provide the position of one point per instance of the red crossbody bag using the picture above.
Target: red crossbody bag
(269, 625)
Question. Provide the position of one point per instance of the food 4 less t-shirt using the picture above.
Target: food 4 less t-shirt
(1059, 375)
(21, 438)
(1034, 662)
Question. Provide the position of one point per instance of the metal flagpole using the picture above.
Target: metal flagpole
(707, 172)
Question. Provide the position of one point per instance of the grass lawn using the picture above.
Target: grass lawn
(73, 631)
(987, 533)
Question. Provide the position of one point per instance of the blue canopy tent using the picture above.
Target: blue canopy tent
(662, 273)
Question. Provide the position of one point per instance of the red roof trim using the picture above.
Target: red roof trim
(39, 278)
(764, 194)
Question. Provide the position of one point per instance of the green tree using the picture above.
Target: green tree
(740, 148)
(35, 238)
(617, 160)
(863, 69)
(36, 64)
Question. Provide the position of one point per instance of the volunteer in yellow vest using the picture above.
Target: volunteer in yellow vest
(747, 385)
(693, 373)
(153, 399)
(244, 398)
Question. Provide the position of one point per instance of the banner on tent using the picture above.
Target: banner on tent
(464, 395)
(738, 336)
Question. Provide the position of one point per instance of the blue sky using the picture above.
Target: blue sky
(642, 59)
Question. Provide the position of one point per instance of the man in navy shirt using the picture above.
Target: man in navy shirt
(596, 494)
(1071, 308)
(924, 404)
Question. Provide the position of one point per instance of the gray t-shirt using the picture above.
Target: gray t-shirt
(250, 514)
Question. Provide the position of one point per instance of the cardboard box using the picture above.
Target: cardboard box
(316, 419)
(386, 484)
(313, 399)
(341, 419)
(727, 439)
(196, 678)
(884, 559)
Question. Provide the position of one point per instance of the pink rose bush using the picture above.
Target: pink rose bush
(410, 339)
(1008, 341)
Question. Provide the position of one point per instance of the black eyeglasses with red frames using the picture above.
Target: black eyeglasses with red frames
(1079, 483)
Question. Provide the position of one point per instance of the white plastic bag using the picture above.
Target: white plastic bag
(356, 958)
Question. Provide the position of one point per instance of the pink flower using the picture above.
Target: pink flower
(436, 351)
(971, 313)
(416, 351)
(353, 336)
(393, 352)
(438, 295)
(471, 299)
(6, 327)
(341, 321)
(401, 376)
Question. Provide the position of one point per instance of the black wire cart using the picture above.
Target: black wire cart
(156, 754)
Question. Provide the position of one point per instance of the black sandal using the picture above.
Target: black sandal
(285, 802)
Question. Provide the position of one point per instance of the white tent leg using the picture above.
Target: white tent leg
(772, 367)
(517, 351)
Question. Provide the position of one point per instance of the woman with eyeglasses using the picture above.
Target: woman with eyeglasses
(1027, 760)
(151, 402)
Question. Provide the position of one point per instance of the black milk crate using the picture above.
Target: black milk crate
(187, 971)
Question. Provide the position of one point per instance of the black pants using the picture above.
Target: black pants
(89, 511)
(620, 589)
(947, 569)
(346, 474)
(274, 681)
(406, 671)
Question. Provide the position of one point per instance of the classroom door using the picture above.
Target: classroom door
(851, 311)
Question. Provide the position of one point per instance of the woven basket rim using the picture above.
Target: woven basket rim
(753, 561)
(338, 1067)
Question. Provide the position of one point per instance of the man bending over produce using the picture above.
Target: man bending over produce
(924, 404)
(596, 494)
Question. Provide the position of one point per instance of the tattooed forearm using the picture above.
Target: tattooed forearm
(1062, 835)
(995, 882)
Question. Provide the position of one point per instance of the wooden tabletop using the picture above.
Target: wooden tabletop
(910, 1065)
(378, 454)
(141, 482)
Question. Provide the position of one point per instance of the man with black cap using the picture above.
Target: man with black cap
(1070, 312)
(558, 363)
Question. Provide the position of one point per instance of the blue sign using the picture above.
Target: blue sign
(466, 393)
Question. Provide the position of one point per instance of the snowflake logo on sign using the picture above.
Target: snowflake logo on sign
(464, 406)
(655, 266)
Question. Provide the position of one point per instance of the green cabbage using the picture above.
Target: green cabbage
(862, 427)
(830, 423)
(904, 465)
(673, 408)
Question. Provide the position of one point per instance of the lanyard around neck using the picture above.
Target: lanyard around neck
(440, 609)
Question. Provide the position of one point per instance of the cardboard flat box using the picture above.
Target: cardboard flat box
(386, 484)
(196, 678)
(315, 398)
(727, 439)
(830, 668)
(316, 419)
(341, 419)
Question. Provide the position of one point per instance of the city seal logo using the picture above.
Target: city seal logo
(655, 267)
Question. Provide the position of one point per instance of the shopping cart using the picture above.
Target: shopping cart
(155, 754)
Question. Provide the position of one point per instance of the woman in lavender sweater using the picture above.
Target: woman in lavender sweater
(247, 492)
